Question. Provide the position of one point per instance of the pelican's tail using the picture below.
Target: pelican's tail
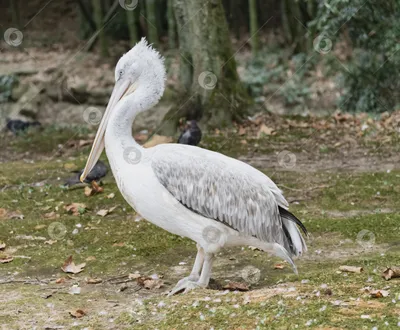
(295, 240)
(272, 248)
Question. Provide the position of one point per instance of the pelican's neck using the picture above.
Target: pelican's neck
(119, 127)
(118, 135)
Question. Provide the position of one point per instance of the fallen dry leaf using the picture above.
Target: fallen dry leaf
(236, 286)
(93, 280)
(153, 284)
(391, 272)
(70, 267)
(89, 191)
(5, 259)
(75, 208)
(242, 131)
(134, 276)
(90, 258)
(157, 139)
(2, 245)
(102, 212)
(351, 269)
(110, 196)
(96, 187)
(264, 130)
(77, 313)
(379, 293)
(149, 283)
(50, 242)
(38, 227)
(60, 280)
(15, 215)
(279, 266)
(3, 213)
(119, 244)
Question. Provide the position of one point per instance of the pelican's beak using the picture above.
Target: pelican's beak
(120, 89)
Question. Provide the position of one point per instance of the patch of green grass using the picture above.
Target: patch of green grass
(362, 191)
(384, 227)
(47, 139)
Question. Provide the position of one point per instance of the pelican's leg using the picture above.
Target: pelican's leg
(194, 275)
(198, 264)
(206, 272)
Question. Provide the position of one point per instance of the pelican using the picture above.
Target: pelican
(212, 199)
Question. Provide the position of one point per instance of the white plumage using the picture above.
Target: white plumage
(210, 198)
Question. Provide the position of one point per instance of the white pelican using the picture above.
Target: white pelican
(215, 200)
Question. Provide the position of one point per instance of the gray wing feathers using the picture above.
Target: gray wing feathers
(241, 200)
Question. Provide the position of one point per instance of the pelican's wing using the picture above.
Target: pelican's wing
(227, 190)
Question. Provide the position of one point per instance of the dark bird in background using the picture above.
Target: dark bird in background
(191, 134)
(16, 125)
(98, 172)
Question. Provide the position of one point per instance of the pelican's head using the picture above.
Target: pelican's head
(139, 71)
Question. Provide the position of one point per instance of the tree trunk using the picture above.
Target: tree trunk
(254, 35)
(212, 90)
(98, 18)
(15, 13)
(152, 32)
(171, 25)
(132, 26)
(294, 23)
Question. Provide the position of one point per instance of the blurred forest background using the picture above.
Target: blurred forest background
(225, 58)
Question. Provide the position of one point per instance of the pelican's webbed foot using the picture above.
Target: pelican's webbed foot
(186, 284)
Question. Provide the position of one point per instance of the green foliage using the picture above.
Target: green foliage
(371, 78)
(271, 70)
(6, 84)
(261, 71)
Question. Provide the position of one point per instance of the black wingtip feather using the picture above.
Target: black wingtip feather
(290, 216)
